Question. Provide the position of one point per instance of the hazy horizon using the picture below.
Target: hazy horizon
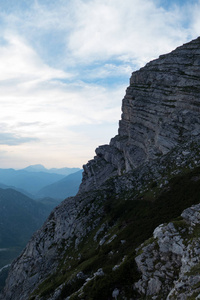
(65, 67)
(37, 165)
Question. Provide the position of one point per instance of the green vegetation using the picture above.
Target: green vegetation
(127, 223)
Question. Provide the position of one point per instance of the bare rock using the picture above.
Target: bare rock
(168, 263)
(159, 111)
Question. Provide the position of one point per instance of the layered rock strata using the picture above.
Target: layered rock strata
(75, 218)
(161, 109)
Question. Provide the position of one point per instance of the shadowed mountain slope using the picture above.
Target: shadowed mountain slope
(90, 246)
(63, 188)
(31, 182)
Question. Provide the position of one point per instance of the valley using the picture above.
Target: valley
(22, 215)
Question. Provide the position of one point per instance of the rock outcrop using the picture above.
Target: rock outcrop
(160, 110)
(169, 262)
(158, 139)
(65, 227)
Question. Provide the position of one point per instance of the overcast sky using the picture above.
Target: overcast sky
(65, 66)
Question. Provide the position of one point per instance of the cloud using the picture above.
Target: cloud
(65, 65)
(13, 140)
(87, 31)
(194, 14)
(19, 62)
(28, 124)
(130, 30)
(107, 70)
(86, 37)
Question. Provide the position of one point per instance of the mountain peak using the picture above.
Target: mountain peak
(159, 111)
(35, 168)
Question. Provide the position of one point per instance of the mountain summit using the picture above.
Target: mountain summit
(99, 244)
(159, 111)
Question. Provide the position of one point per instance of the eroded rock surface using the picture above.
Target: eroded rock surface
(169, 262)
(65, 227)
(160, 110)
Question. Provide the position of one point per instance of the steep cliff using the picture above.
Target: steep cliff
(148, 175)
(160, 110)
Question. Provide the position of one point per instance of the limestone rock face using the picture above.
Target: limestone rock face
(160, 110)
(64, 228)
(169, 262)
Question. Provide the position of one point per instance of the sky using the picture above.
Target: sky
(65, 66)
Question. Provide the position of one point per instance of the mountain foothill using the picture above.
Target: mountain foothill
(27, 197)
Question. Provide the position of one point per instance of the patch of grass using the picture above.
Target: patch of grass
(194, 270)
(70, 287)
(132, 220)
(196, 231)
(123, 278)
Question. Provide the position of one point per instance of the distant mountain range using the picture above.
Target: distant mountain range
(41, 168)
(20, 214)
(63, 188)
(20, 217)
(32, 180)
(4, 186)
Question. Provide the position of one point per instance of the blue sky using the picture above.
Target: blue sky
(65, 66)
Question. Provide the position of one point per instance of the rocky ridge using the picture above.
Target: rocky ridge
(59, 242)
(159, 111)
(87, 244)
(66, 226)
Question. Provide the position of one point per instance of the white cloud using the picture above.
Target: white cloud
(194, 15)
(108, 70)
(18, 61)
(37, 108)
(63, 68)
(12, 139)
(130, 30)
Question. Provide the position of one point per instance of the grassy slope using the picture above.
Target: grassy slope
(132, 221)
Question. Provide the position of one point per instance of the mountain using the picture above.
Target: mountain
(132, 231)
(31, 182)
(41, 168)
(20, 218)
(3, 186)
(35, 168)
(63, 188)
